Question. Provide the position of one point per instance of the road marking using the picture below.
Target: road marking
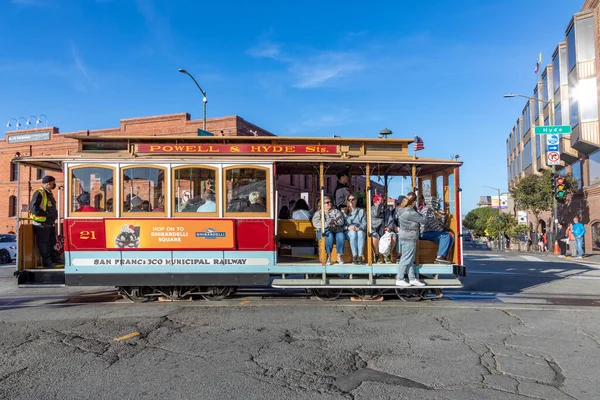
(244, 302)
(532, 258)
(125, 337)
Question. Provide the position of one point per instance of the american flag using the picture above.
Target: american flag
(419, 144)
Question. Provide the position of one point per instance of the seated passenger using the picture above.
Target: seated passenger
(109, 205)
(333, 229)
(83, 201)
(160, 204)
(434, 229)
(382, 222)
(209, 202)
(301, 211)
(284, 213)
(136, 204)
(355, 225)
(255, 203)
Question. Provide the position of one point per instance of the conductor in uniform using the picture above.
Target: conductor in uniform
(43, 214)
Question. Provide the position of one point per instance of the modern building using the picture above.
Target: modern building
(49, 141)
(566, 94)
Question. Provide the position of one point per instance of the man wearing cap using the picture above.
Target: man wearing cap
(43, 214)
(341, 190)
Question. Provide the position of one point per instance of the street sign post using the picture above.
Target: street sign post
(553, 129)
(553, 158)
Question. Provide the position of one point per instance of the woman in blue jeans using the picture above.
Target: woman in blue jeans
(356, 224)
(333, 228)
(409, 222)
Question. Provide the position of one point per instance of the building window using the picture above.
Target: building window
(556, 71)
(518, 133)
(576, 173)
(40, 174)
(571, 60)
(585, 39)
(558, 114)
(526, 119)
(536, 105)
(587, 96)
(12, 206)
(594, 162)
(538, 146)
(13, 171)
(596, 236)
(527, 158)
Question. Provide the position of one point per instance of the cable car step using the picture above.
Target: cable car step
(383, 283)
(41, 278)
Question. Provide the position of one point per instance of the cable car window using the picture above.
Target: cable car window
(246, 190)
(91, 190)
(143, 189)
(194, 190)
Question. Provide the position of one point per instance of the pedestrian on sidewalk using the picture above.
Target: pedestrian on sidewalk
(561, 239)
(523, 241)
(571, 241)
(578, 232)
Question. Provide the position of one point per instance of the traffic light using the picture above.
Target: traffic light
(558, 186)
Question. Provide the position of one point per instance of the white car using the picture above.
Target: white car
(8, 248)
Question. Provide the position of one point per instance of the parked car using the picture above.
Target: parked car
(8, 248)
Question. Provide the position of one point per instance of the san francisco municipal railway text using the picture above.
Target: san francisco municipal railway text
(174, 261)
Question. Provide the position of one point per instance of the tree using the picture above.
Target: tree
(476, 219)
(534, 192)
(500, 224)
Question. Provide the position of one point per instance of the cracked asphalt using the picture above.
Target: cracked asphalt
(520, 329)
(304, 350)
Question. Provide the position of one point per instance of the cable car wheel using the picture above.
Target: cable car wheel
(134, 294)
(216, 293)
(326, 294)
(368, 294)
(411, 295)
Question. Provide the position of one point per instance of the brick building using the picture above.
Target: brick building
(49, 141)
(566, 94)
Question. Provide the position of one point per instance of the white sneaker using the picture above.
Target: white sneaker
(340, 260)
(328, 262)
(415, 282)
(402, 283)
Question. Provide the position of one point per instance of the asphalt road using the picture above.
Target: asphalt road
(521, 328)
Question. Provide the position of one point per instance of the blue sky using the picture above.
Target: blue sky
(437, 69)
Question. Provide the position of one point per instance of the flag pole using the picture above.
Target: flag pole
(414, 149)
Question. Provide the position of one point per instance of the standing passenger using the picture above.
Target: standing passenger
(341, 190)
(410, 222)
(332, 229)
(356, 224)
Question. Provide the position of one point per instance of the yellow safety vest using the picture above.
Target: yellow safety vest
(41, 218)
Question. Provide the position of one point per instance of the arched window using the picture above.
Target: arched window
(12, 206)
(596, 235)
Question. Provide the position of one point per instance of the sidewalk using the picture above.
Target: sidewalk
(587, 258)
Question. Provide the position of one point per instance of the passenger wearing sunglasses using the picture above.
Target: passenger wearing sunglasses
(333, 229)
(356, 224)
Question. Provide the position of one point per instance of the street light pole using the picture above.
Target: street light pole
(204, 100)
(551, 121)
